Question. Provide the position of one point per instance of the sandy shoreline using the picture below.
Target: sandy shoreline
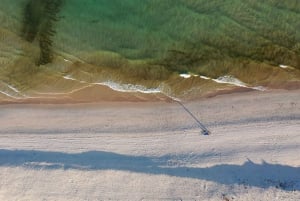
(85, 94)
(105, 100)
(211, 110)
(94, 93)
(153, 150)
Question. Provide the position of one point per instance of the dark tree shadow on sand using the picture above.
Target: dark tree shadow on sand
(262, 175)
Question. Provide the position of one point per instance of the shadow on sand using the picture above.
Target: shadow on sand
(262, 175)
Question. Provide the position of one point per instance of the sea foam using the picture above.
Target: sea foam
(129, 87)
(228, 79)
(10, 91)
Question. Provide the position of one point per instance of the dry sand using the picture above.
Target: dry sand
(153, 150)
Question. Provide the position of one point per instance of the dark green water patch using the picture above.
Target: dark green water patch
(182, 34)
(39, 17)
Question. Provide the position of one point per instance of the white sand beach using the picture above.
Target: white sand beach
(153, 150)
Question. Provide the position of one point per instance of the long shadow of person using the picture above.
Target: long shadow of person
(262, 175)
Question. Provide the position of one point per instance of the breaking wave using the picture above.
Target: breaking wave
(228, 79)
(129, 87)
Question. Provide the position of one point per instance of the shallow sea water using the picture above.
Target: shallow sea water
(146, 42)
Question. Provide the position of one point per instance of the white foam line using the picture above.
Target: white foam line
(226, 80)
(118, 87)
(67, 60)
(7, 94)
(204, 77)
(234, 81)
(185, 75)
(283, 66)
(68, 77)
(13, 88)
(128, 87)
(135, 88)
(119, 90)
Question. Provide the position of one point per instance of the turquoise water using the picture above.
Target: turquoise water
(148, 28)
(204, 37)
(140, 29)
